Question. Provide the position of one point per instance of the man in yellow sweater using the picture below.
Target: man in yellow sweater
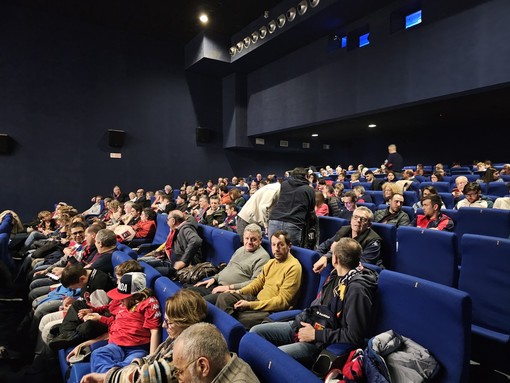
(274, 289)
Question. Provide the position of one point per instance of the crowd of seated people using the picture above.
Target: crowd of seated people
(85, 245)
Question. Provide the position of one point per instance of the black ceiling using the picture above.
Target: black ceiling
(169, 20)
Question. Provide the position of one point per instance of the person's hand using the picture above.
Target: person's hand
(40, 272)
(207, 283)
(306, 333)
(92, 316)
(215, 222)
(220, 289)
(320, 264)
(83, 312)
(57, 271)
(93, 377)
(74, 351)
(68, 301)
(241, 305)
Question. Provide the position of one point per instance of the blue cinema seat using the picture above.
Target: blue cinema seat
(162, 231)
(328, 226)
(270, 364)
(427, 254)
(491, 222)
(484, 276)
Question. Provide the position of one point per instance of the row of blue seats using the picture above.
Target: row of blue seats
(401, 302)
(5, 234)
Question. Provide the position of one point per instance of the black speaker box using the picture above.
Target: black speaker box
(6, 144)
(116, 138)
(204, 134)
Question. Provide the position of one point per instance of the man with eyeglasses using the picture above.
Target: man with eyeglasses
(360, 230)
(473, 197)
(201, 355)
(182, 247)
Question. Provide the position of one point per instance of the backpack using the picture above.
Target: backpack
(352, 370)
(195, 273)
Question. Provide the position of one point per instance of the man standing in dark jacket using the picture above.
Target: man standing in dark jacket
(294, 207)
(348, 293)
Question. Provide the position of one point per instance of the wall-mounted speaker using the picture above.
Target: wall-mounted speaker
(204, 135)
(6, 144)
(116, 138)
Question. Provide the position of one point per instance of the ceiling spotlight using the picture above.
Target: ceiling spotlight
(314, 3)
(315, 135)
(266, 14)
(239, 46)
(254, 37)
(262, 32)
(203, 18)
(246, 41)
(291, 14)
(280, 21)
(271, 27)
(302, 7)
(372, 125)
(232, 51)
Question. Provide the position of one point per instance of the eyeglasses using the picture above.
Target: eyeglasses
(359, 219)
(77, 233)
(179, 371)
(194, 200)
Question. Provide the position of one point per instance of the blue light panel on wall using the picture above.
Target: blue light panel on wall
(413, 19)
(343, 42)
(364, 39)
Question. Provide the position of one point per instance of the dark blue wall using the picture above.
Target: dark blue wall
(464, 52)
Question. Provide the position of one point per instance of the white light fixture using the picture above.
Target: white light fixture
(302, 7)
(314, 3)
(271, 27)
(232, 51)
(260, 141)
(306, 145)
(326, 147)
(291, 14)
(239, 46)
(372, 125)
(284, 143)
(280, 21)
(262, 32)
(315, 135)
(246, 42)
(203, 18)
(254, 37)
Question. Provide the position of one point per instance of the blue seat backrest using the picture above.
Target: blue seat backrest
(388, 234)
(151, 274)
(370, 205)
(410, 211)
(328, 226)
(224, 244)
(310, 280)
(127, 250)
(497, 188)
(163, 289)
(230, 327)
(484, 275)
(437, 317)
(452, 213)
(427, 254)
(447, 199)
(118, 257)
(469, 176)
(443, 187)
(176, 193)
(410, 198)
(6, 224)
(377, 196)
(267, 246)
(491, 222)
(162, 229)
(271, 364)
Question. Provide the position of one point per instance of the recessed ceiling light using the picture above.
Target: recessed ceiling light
(203, 18)
(372, 125)
(315, 135)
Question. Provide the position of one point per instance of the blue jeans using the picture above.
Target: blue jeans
(294, 231)
(111, 355)
(280, 334)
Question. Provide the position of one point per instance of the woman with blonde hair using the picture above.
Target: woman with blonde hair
(388, 189)
(182, 310)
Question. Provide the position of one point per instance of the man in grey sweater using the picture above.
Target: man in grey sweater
(243, 267)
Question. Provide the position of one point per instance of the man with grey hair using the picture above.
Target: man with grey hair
(244, 266)
(106, 243)
(201, 355)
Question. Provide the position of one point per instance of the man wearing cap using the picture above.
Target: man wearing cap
(136, 329)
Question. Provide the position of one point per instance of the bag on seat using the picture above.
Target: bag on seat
(195, 273)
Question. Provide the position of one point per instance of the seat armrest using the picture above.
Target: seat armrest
(282, 316)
